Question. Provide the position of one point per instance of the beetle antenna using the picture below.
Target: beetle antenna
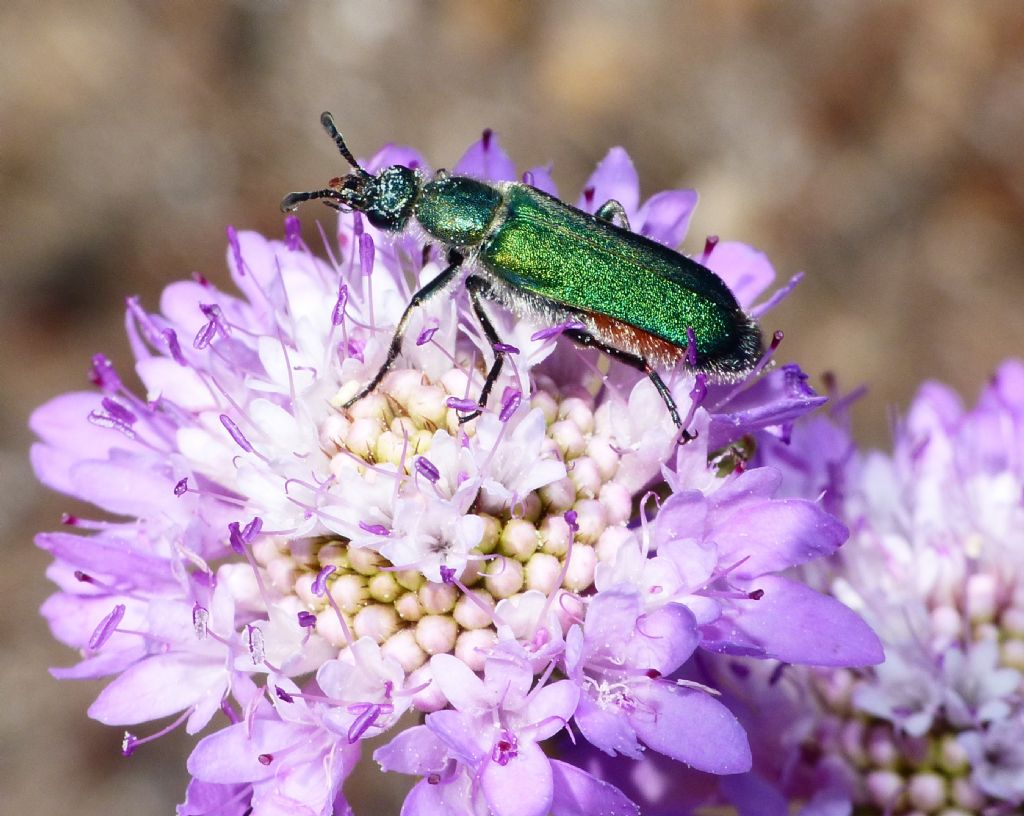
(291, 202)
(328, 122)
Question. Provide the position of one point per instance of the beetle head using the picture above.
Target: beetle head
(386, 198)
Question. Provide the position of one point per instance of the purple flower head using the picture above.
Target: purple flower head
(315, 565)
(933, 564)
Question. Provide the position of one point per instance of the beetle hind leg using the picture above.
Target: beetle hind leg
(587, 340)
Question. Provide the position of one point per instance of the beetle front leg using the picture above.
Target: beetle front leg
(612, 209)
(587, 340)
(425, 293)
(478, 290)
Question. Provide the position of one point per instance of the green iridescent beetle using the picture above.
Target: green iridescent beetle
(639, 301)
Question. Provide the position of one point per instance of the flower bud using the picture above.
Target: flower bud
(504, 577)
(473, 646)
(435, 634)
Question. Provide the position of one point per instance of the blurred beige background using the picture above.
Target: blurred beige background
(878, 146)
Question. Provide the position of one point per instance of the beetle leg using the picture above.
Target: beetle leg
(612, 209)
(438, 284)
(477, 289)
(587, 340)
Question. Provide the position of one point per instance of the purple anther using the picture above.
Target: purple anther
(84, 577)
(700, 388)
(128, 743)
(252, 529)
(777, 338)
(254, 640)
(236, 433)
(756, 594)
(102, 420)
(320, 582)
(174, 347)
(691, 347)
(485, 138)
(307, 620)
(101, 634)
(236, 249)
(338, 314)
(462, 404)
(572, 519)
(588, 195)
(216, 316)
(506, 749)
(283, 695)
(200, 620)
(709, 246)
(368, 714)
(510, 405)
(426, 336)
(505, 348)
(528, 177)
(200, 278)
(374, 529)
(118, 412)
(357, 225)
(181, 487)
(205, 335)
(355, 349)
(447, 575)
(102, 373)
(554, 331)
(366, 253)
(426, 469)
(265, 759)
(235, 538)
(292, 232)
(68, 519)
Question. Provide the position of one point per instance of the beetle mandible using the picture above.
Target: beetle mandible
(639, 301)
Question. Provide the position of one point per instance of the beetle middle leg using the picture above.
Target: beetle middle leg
(478, 290)
(587, 340)
(425, 293)
(612, 209)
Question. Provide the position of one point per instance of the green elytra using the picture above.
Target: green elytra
(638, 300)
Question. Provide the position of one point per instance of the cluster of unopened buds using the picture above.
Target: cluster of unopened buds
(307, 573)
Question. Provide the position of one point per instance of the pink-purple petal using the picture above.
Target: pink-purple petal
(665, 638)
(233, 754)
(793, 623)
(683, 515)
(665, 216)
(417, 750)
(692, 727)
(156, 687)
(460, 733)
(523, 787)
(615, 178)
(745, 270)
(770, 536)
(486, 159)
(577, 793)
(607, 729)
(460, 685)
(542, 180)
(753, 795)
